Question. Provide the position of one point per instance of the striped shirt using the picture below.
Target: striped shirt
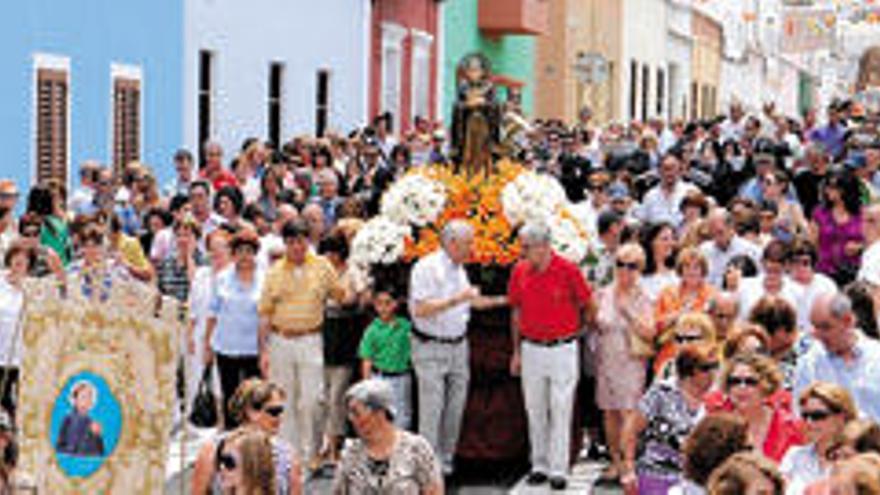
(293, 296)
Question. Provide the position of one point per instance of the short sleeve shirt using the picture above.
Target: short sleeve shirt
(411, 468)
(386, 345)
(436, 277)
(549, 301)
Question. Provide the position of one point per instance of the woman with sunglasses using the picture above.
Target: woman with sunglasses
(825, 409)
(625, 338)
(257, 404)
(245, 464)
(666, 414)
(231, 332)
(751, 387)
(384, 458)
(691, 328)
(47, 261)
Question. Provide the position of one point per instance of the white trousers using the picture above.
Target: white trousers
(549, 380)
(297, 365)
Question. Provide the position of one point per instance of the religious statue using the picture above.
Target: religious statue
(475, 117)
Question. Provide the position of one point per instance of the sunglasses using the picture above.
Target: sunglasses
(684, 339)
(742, 381)
(226, 461)
(30, 233)
(707, 367)
(632, 265)
(816, 416)
(274, 411)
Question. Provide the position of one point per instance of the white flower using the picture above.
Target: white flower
(568, 239)
(414, 200)
(379, 241)
(532, 196)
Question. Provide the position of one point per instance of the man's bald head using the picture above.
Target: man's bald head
(833, 322)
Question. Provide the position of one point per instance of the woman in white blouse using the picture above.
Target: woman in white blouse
(17, 261)
(217, 244)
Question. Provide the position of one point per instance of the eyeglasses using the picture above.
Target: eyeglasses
(802, 261)
(30, 233)
(226, 461)
(274, 411)
(629, 265)
(816, 416)
(723, 316)
(742, 381)
(707, 367)
(684, 339)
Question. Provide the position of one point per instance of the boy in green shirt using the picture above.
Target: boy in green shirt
(385, 353)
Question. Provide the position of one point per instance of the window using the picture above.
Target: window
(421, 75)
(633, 88)
(126, 115)
(392, 68)
(276, 73)
(206, 62)
(322, 106)
(646, 88)
(52, 112)
(704, 102)
(661, 91)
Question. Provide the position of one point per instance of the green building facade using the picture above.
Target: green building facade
(511, 55)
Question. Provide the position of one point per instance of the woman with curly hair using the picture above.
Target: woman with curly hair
(751, 388)
(715, 438)
(746, 473)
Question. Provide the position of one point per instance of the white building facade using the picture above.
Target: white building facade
(679, 46)
(645, 71)
(273, 69)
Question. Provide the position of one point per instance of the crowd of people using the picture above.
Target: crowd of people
(723, 337)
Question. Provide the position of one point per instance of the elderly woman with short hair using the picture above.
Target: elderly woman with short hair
(665, 416)
(384, 459)
(626, 331)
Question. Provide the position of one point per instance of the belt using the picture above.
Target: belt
(291, 333)
(389, 374)
(433, 338)
(552, 342)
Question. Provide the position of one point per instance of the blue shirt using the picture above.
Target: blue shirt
(235, 308)
(832, 137)
(861, 377)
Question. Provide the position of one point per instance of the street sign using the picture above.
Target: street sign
(591, 68)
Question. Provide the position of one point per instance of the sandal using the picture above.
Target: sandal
(609, 476)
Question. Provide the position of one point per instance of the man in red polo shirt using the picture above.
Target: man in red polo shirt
(550, 303)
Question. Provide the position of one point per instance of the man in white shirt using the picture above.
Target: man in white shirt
(802, 264)
(733, 127)
(771, 282)
(663, 202)
(725, 245)
(440, 302)
(82, 201)
(870, 269)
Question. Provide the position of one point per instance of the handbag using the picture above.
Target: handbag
(639, 347)
(204, 408)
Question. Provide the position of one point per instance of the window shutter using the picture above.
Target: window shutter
(52, 101)
(126, 121)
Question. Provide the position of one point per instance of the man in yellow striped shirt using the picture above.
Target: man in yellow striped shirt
(291, 311)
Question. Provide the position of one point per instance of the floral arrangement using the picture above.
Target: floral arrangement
(415, 199)
(380, 241)
(532, 197)
(415, 209)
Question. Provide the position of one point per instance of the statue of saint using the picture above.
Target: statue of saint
(475, 117)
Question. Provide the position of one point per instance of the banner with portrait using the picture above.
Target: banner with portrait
(97, 385)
